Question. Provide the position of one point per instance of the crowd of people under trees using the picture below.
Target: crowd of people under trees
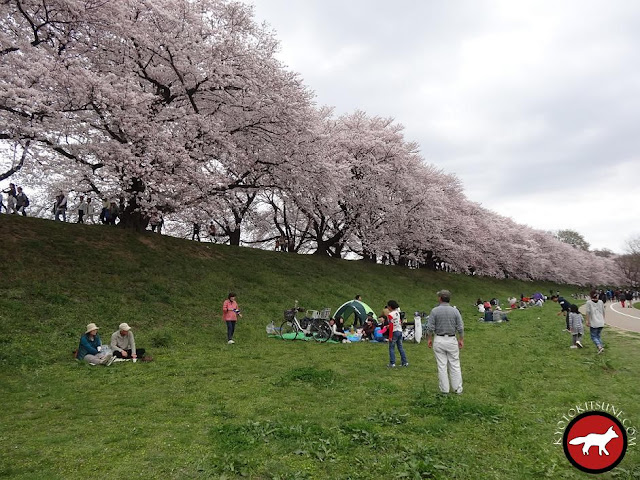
(84, 209)
(85, 212)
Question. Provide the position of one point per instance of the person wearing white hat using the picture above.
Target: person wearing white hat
(123, 343)
(91, 350)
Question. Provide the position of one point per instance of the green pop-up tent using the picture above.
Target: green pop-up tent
(356, 307)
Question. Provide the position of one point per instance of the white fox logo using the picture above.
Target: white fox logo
(599, 439)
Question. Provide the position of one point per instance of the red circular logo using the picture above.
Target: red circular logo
(595, 442)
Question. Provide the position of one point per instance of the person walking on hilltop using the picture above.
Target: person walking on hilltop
(60, 207)
(595, 319)
(154, 220)
(22, 202)
(11, 198)
(443, 323)
(90, 211)
(81, 209)
(230, 314)
(113, 212)
(104, 212)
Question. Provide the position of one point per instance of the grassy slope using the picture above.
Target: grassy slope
(265, 408)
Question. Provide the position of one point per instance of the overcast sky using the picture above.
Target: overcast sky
(534, 105)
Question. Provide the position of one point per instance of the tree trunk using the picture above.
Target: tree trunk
(133, 220)
(130, 215)
(322, 248)
(234, 237)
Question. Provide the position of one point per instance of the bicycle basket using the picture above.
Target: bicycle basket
(289, 315)
(325, 313)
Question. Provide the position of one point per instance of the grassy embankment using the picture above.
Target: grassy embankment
(265, 408)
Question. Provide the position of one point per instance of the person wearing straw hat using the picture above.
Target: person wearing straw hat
(90, 349)
(123, 343)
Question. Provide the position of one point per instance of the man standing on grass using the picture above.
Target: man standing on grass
(123, 343)
(442, 325)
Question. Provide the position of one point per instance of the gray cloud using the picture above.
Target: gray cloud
(533, 104)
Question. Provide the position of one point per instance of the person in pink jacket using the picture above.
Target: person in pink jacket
(230, 314)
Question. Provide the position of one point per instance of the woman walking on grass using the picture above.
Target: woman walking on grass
(230, 314)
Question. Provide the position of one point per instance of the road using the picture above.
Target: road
(624, 318)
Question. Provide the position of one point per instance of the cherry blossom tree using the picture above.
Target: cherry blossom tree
(150, 98)
(182, 106)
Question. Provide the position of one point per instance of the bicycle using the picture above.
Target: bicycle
(313, 326)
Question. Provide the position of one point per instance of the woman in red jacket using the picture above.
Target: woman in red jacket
(230, 314)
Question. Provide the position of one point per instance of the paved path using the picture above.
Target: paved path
(624, 318)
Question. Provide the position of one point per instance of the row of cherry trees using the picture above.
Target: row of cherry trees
(181, 106)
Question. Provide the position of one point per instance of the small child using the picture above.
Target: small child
(575, 325)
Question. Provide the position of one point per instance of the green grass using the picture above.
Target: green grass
(265, 408)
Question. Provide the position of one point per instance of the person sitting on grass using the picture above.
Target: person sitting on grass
(369, 327)
(337, 328)
(499, 315)
(123, 343)
(90, 349)
(488, 314)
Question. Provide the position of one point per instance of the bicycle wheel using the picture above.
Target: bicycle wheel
(322, 332)
(288, 331)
